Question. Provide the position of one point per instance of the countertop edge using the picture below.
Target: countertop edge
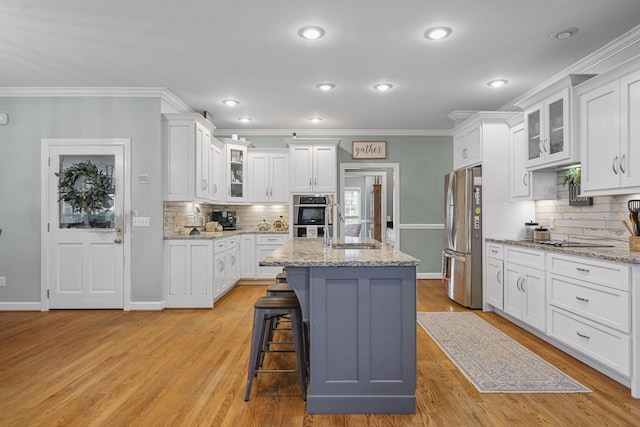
(212, 235)
(617, 253)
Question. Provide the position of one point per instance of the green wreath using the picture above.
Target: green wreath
(85, 187)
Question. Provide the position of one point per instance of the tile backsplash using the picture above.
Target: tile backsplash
(601, 220)
(248, 215)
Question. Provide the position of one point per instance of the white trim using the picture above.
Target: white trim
(421, 226)
(19, 306)
(333, 132)
(396, 188)
(133, 92)
(46, 144)
(429, 275)
(583, 65)
(146, 306)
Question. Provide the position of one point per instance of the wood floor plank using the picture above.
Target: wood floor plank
(188, 368)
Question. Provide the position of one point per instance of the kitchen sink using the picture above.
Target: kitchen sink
(355, 245)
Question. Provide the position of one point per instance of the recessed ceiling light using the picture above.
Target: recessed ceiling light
(437, 33)
(497, 83)
(245, 119)
(382, 87)
(230, 102)
(325, 87)
(315, 119)
(564, 34)
(311, 33)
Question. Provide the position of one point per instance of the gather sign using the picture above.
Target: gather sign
(369, 150)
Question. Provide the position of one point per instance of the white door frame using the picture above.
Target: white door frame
(46, 144)
(374, 167)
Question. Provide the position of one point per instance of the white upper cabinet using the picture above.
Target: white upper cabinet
(609, 107)
(548, 123)
(237, 170)
(268, 175)
(187, 141)
(216, 163)
(525, 184)
(313, 165)
(467, 148)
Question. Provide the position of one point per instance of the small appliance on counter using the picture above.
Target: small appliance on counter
(227, 219)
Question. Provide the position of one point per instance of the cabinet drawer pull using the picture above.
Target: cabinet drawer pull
(582, 270)
(583, 335)
(273, 239)
(582, 299)
(494, 251)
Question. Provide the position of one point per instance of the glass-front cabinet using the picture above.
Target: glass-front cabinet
(236, 171)
(547, 130)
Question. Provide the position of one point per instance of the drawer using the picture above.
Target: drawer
(608, 347)
(271, 239)
(527, 257)
(219, 245)
(494, 250)
(608, 306)
(611, 274)
(232, 242)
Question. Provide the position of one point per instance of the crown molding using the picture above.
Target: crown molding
(134, 92)
(589, 61)
(334, 132)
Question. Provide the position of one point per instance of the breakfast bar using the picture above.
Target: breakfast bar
(358, 297)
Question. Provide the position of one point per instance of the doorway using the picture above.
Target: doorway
(85, 234)
(360, 179)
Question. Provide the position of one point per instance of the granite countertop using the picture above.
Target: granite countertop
(217, 234)
(311, 252)
(619, 252)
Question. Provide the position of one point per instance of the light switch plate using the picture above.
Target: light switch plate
(140, 221)
(4, 118)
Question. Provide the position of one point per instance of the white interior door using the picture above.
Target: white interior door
(85, 251)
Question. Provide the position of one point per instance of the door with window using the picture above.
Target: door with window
(353, 212)
(84, 228)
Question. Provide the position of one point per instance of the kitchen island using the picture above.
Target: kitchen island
(360, 306)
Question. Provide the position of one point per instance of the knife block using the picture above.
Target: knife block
(634, 243)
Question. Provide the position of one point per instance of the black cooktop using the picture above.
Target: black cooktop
(561, 244)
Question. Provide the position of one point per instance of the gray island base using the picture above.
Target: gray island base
(360, 306)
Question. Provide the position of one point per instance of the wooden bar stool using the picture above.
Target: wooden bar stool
(265, 308)
(281, 277)
(274, 323)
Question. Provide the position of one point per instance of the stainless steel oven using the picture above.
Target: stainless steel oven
(308, 214)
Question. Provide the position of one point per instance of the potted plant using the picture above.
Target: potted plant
(572, 177)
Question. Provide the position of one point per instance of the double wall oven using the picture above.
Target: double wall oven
(308, 214)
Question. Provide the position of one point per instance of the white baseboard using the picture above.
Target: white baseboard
(20, 306)
(429, 275)
(146, 306)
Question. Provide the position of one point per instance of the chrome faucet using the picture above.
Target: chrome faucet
(326, 220)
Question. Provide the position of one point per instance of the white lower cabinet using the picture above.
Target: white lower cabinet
(248, 261)
(524, 286)
(220, 270)
(495, 275)
(265, 244)
(188, 273)
(590, 308)
(233, 259)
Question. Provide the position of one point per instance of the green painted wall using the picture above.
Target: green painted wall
(31, 119)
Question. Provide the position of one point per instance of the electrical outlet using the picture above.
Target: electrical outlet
(140, 221)
(3, 281)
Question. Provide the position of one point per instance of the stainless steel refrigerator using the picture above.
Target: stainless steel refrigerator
(462, 255)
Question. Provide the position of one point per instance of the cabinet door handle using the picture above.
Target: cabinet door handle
(582, 270)
(499, 276)
(525, 181)
(522, 285)
(540, 145)
(310, 181)
(214, 188)
(614, 164)
(518, 284)
(228, 190)
(266, 192)
(315, 181)
(544, 147)
(583, 335)
(622, 163)
(582, 299)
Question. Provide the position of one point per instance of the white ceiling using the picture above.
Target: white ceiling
(206, 51)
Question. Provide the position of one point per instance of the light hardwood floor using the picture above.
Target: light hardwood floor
(188, 367)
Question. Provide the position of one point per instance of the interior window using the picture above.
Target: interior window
(352, 207)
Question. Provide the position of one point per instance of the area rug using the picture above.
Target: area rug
(491, 361)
